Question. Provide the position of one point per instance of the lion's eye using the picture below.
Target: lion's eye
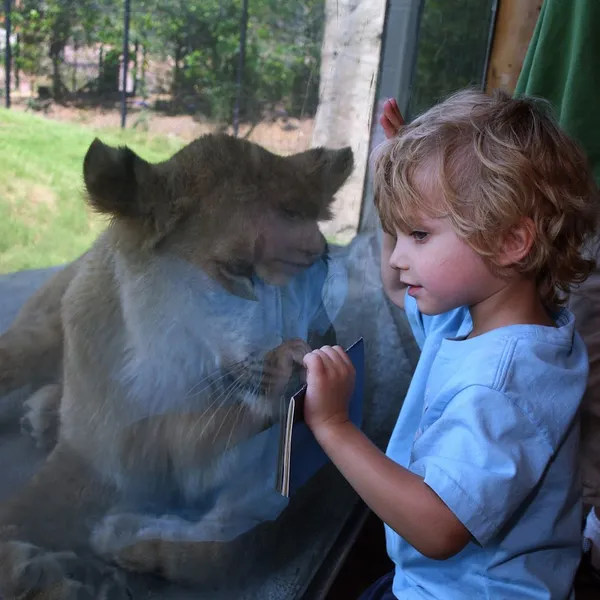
(239, 268)
(291, 214)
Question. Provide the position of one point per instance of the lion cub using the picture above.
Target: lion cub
(166, 345)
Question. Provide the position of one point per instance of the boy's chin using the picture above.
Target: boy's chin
(432, 309)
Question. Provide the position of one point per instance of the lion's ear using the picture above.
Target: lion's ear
(113, 179)
(326, 169)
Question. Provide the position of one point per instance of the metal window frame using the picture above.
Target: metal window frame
(396, 70)
(398, 58)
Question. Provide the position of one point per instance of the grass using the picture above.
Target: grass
(44, 220)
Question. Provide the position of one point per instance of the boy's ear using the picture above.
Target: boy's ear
(517, 243)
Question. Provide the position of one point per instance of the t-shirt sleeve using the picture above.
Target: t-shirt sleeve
(483, 456)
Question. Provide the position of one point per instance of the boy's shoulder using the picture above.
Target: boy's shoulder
(541, 370)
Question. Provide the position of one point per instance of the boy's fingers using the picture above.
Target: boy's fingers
(337, 361)
(313, 363)
(395, 120)
(342, 354)
(393, 113)
(325, 358)
(397, 110)
(389, 130)
(391, 123)
(388, 112)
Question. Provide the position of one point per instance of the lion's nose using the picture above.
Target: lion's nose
(317, 248)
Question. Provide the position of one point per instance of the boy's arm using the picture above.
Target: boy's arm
(400, 498)
(393, 287)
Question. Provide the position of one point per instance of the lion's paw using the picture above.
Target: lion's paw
(26, 570)
(135, 542)
(115, 531)
(41, 421)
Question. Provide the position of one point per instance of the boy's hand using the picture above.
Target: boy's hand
(391, 119)
(330, 381)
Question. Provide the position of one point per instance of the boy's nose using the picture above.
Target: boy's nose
(399, 266)
(398, 260)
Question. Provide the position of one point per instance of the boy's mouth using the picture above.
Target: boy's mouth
(413, 289)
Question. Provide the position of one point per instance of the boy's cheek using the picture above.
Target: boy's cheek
(389, 277)
(392, 286)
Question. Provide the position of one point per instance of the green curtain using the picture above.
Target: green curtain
(563, 66)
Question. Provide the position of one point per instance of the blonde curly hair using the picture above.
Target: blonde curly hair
(498, 159)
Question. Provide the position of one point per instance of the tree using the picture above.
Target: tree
(32, 35)
(349, 70)
(452, 48)
(200, 37)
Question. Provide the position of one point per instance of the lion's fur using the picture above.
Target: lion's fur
(119, 340)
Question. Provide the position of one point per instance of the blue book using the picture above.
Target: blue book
(300, 455)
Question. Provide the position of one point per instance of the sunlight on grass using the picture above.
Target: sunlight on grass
(43, 217)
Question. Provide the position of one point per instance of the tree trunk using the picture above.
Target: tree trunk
(17, 56)
(55, 56)
(134, 73)
(56, 81)
(74, 74)
(349, 71)
(143, 74)
(176, 69)
(7, 55)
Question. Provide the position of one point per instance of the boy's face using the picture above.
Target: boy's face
(442, 271)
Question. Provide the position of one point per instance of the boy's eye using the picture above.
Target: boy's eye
(419, 236)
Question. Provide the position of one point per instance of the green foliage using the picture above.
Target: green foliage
(451, 50)
(108, 78)
(44, 219)
(202, 39)
(33, 32)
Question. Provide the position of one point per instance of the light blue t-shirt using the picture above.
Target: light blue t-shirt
(491, 424)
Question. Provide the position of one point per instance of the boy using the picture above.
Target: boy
(485, 205)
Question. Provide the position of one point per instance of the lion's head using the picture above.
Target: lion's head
(222, 203)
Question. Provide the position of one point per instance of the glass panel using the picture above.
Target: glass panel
(449, 53)
(454, 38)
(161, 359)
(184, 327)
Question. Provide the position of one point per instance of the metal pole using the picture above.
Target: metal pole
(7, 56)
(125, 63)
(240, 70)
(488, 48)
